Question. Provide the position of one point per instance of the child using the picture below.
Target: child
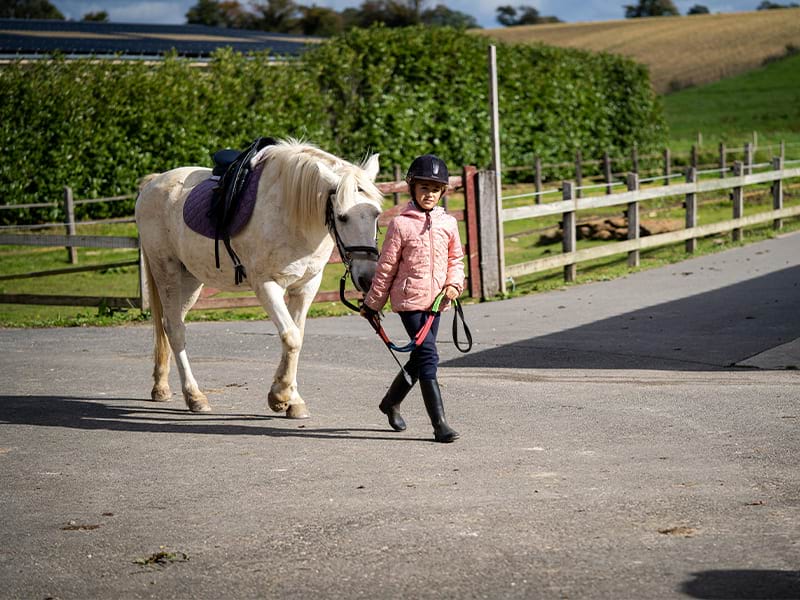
(421, 257)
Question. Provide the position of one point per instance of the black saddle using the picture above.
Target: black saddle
(232, 168)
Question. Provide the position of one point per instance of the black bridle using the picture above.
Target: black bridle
(346, 252)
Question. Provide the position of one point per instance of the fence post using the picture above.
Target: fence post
(468, 177)
(488, 228)
(738, 200)
(537, 174)
(691, 210)
(569, 241)
(722, 161)
(397, 176)
(635, 158)
(783, 150)
(777, 191)
(578, 173)
(667, 165)
(694, 156)
(633, 219)
(748, 159)
(69, 211)
(607, 170)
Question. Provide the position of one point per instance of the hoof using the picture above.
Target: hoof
(161, 394)
(297, 411)
(198, 403)
(276, 404)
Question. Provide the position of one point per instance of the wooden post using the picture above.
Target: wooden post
(691, 210)
(397, 177)
(694, 156)
(468, 177)
(487, 233)
(635, 158)
(537, 168)
(578, 173)
(69, 211)
(144, 292)
(607, 171)
(633, 219)
(569, 242)
(783, 150)
(667, 165)
(738, 200)
(748, 159)
(723, 168)
(494, 107)
(777, 192)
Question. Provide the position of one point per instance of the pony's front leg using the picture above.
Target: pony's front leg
(283, 393)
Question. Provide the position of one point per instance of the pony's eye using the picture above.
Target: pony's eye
(361, 190)
(342, 218)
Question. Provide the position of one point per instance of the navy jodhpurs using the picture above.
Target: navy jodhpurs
(424, 358)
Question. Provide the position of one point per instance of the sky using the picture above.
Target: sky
(174, 12)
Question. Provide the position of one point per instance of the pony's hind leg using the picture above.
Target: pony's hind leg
(179, 291)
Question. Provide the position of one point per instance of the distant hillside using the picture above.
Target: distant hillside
(680, 51)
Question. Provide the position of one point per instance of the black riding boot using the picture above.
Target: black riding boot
(391, 401)
(442, 432)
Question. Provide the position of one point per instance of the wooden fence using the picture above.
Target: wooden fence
(608, 166)
(568, 206)
(71, 241)
(483, 225)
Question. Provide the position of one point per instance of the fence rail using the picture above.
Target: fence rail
(568, 207)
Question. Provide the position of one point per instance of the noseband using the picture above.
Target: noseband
(346, 252)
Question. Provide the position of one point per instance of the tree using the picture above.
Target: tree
(281, 16)
(698, 9)
(318, 20)
(392, 13)
(441, 16)
(651, 8)
(205, 12)
(100, 16)
(508, 16)
(766, 5)
(29, 9)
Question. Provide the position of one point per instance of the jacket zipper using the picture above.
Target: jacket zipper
(433, 254)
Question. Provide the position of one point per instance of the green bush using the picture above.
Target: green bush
(99, 126)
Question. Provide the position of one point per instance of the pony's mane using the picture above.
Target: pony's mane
(296, 164)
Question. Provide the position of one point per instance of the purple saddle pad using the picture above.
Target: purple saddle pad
(197, 205)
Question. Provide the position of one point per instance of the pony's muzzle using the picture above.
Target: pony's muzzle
(362, 272)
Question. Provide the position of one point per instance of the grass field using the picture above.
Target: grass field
(765, 100)
(679, 51)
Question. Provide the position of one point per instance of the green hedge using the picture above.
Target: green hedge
(99, 126)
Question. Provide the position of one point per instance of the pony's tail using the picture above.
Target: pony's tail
(161, 349)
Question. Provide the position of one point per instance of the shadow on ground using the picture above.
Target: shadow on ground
(744, 585)
(133, 415)
(707, 332)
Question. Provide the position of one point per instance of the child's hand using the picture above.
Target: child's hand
(450, 292)
(369, 314)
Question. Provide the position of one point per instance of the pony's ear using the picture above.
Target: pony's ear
(327, 174)
(372, 167)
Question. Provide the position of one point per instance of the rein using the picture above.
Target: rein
(426, 327)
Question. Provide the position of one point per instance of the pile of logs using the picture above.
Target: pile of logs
(614, 228)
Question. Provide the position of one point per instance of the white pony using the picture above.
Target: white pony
(283, 248)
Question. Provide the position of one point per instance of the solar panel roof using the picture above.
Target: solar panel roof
(30, 37)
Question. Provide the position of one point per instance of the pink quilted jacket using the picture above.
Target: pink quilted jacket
(421, 254)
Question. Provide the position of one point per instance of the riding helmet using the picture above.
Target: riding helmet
(428, 167)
